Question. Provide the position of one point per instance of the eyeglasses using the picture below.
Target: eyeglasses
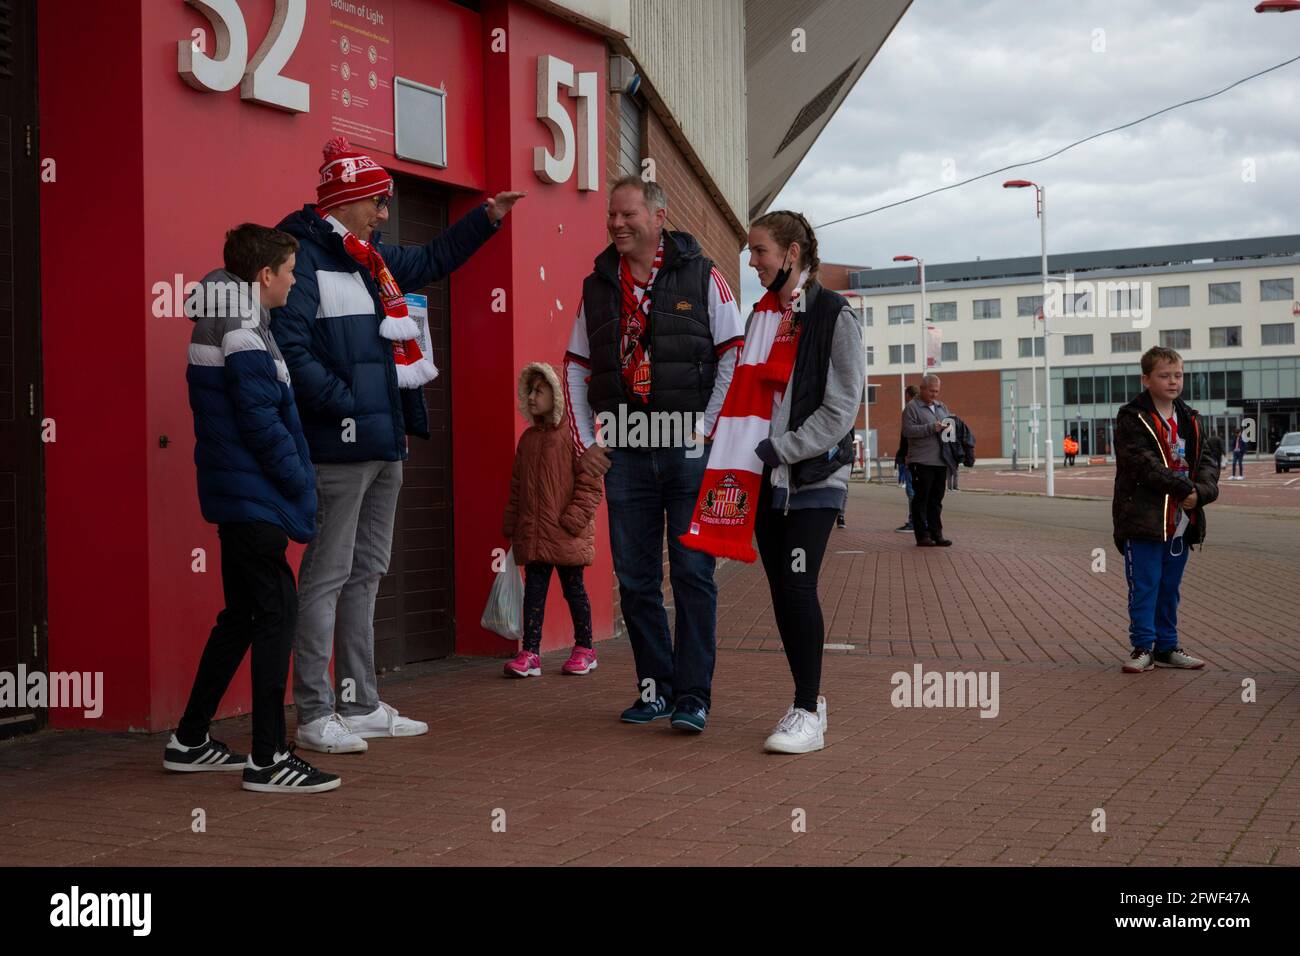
(381, 202)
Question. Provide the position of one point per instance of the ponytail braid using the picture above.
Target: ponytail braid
(789, 227)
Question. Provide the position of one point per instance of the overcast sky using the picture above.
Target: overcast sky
(979, 84)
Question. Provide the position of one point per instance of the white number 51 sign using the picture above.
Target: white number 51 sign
(557, 167)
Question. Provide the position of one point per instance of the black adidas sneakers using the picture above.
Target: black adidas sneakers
(209, 755)
(289, 773)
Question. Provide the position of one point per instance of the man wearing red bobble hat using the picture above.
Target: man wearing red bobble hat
(358, 375)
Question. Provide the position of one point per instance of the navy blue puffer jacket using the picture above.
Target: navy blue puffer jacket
(343, 369)
(249, 449)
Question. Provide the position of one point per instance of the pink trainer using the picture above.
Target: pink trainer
(581, 661)
(524, 665)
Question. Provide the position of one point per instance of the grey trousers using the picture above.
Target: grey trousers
(337, 584)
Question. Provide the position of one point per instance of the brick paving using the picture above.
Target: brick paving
(1262, 486)
(1185, 771)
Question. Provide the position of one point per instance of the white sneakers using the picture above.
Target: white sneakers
(330, 735)
(799, 731)
(336, 734)
(385, 721)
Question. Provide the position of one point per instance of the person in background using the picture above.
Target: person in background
(1238, 457)
(904, 473)
(1070, 448)
(924, 420)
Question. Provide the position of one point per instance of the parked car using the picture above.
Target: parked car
(1287, 455)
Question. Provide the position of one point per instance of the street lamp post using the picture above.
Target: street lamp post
(922, 321)
(1041, 193)
(866, 392)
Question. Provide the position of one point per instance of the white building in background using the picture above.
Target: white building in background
(1229, 308)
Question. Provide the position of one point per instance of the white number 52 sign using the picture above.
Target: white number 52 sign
(258, 80)
(557, 167)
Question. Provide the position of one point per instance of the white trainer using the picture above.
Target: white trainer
(799, 731)
(330, 735)
(385, 721)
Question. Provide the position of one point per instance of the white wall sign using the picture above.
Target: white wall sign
(557, 167)
(260, 80)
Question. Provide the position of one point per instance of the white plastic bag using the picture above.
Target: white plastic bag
(504, 613)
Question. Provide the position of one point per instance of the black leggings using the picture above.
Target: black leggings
(793, 582)
(537, 581)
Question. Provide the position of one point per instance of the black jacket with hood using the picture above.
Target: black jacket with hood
(1147, 490)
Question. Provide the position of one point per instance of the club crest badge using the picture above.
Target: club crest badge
(726, 503)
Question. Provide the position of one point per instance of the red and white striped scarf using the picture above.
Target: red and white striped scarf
(635, 326)
(723, 522)
(414, 368)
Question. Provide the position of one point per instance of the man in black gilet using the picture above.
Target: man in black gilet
(648, 365)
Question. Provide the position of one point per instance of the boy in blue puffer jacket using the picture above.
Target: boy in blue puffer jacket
(257, 485)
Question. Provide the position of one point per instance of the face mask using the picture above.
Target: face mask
(782, 277)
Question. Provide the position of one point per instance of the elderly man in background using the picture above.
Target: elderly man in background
(924, 422)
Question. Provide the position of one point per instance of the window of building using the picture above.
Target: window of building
(1126, 341)
(1281, 333)
(948, 352)
(1078, 303)
(871, 355)
(901, 314)
(987, 308)
(1126, 299)
(1031, 347)
(1225, 336)
(1176, 338)
(943, 311)
(631, 119)
(864, 316)
(1271, 290)
(1124, 388)
(1175, 296)
(872, 391)
(908, 354)
(988, 348)
(1078, 345)
(1028, 305)
(1225, 293)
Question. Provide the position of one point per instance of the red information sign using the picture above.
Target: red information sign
(362, 65)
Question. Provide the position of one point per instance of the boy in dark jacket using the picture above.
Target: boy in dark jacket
(1165, 475)
(257, 485)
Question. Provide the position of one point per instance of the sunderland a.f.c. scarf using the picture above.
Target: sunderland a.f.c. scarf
(414, 368)
(635, 326)
(723, 522)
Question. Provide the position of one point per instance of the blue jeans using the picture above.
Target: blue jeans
(643, 487)
(905, 479)
(1238, 468)
(1154, 571)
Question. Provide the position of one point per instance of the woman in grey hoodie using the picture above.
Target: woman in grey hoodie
(807, 457)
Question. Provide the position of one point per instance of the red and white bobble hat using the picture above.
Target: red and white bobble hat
(347, 176)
